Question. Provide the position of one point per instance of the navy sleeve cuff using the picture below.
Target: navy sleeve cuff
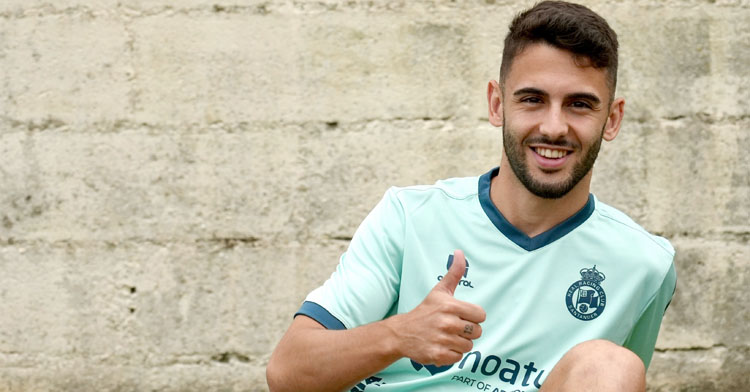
(320, 314)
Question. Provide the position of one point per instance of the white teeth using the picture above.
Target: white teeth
(548, 153)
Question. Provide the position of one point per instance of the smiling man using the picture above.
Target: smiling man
(516, 280)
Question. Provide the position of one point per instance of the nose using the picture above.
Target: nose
(553, 124)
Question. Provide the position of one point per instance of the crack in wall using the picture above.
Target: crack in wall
(227, 357)
(132, 73)
(296, 6)
(230, 242)
(49, 10)
(222, 242)
(114, 125)
(18, 360)
(693, 348)
(340, 237)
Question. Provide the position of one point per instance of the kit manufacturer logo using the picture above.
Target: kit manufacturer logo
(465, 281)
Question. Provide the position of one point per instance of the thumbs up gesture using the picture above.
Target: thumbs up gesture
(441, 328)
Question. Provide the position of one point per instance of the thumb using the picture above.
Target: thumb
(455, 273)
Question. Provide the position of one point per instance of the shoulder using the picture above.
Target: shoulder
(646, 257)
(459, 188)
(621, 229)
(410, 202)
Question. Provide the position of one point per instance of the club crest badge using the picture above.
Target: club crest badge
(585, 298)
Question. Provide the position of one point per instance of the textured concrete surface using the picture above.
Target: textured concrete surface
(175, 177)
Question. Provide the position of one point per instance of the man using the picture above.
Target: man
(518, 280)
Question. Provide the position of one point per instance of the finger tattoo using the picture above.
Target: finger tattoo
(468, 329)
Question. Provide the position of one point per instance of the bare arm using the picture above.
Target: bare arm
(312, 358)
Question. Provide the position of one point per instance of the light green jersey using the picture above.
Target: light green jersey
(597, 275)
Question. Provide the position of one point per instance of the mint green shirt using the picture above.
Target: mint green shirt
(597, 275)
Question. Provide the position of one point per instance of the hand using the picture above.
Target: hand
(441, 328)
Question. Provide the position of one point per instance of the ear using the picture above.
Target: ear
(495, 103)
(616, 111)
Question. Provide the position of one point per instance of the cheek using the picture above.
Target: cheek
(587, 129)
(522, 122)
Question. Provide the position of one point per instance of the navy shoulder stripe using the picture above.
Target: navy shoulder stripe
(320, 314)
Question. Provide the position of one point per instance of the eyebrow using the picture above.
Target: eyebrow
(581, 95)
(587, 96)
(530, 90)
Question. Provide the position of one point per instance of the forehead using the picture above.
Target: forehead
(551, 69)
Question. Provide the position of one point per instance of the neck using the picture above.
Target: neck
(529, 213)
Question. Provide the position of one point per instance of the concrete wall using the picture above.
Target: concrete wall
(176, 176)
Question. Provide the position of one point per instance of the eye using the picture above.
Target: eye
(531, 99)
(581, 105)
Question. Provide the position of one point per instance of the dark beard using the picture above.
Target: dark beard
(514, 150)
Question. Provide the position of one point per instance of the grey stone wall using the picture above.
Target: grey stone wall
(176, 176)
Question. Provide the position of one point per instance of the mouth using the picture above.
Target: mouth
(550, 159)
(550, 153)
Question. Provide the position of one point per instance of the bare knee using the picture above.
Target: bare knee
(597, 365)
(607, 354)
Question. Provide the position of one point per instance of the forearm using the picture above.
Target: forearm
(312, 358)
(437, 332)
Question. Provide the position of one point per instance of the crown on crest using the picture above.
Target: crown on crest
(592, 274)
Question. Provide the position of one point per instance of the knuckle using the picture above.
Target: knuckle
(442, 359)
(436, 354)
(479, 314)
(446, 324)
(451, 357)
(446, 307)
(444, 340)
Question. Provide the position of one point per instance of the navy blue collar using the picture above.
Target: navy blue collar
(519, 237)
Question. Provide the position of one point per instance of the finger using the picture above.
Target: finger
(454, 274)
(470, 312)
(470, 330)
(451, 350)
(447, 357)
(460, 344)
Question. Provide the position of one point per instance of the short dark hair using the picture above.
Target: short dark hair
(567, 26)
